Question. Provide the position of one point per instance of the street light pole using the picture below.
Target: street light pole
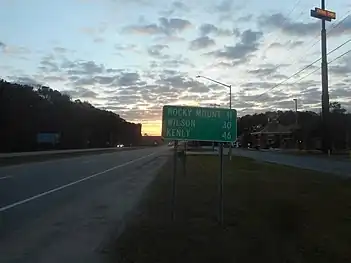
(230, 102)
(223, 84)
(230, 96)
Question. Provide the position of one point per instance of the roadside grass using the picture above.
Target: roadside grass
(272, 213)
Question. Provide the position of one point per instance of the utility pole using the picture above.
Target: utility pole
(324, 15)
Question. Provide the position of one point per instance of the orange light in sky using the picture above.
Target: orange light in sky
(151, 128)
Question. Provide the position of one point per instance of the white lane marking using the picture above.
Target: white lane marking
(2, 209)
(5, 177)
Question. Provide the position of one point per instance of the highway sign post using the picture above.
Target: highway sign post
(190, 123)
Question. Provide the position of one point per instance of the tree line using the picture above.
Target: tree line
(306, 126)
(29, 113)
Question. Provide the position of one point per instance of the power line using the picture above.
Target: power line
(335, 25)
(314, 71)
(333, 60)
(283, 23)
(303, 69)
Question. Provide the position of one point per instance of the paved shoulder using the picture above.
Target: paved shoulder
(305, 162)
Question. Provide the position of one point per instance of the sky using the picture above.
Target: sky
(132, 57)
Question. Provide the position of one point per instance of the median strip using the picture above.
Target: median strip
(14, 159)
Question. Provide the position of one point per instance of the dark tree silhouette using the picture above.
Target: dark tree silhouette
(26, 111)
(309, 126)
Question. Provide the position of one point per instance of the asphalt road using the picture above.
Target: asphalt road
(342, 168)
(64, 210)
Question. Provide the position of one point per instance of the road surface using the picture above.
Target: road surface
(64, 210)
(332, 166)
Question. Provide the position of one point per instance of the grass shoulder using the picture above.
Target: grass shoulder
(272, 213)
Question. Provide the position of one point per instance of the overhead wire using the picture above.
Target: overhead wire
(334, 26)
(282, 24)
(284, 21)
(306, 67)
(303, 69)
(338, 57)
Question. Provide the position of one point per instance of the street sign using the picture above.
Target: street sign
(323, 14)
(199, 123)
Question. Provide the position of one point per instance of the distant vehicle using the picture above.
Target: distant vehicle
(120, 146)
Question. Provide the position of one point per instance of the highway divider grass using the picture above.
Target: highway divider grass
(272, 213)
(13, 160)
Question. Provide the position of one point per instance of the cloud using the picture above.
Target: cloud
(81, 93)
(254, 85)
(127, 47)
(13, 50)
(99, 39)
(166, 26)
(343, 68)
(83, 67)
(101, 28)
(225, 6)
(343, 28)
(340, 70)
(289, 44)
(176, 7)
(201, 43)
(246, 18)
(156, 51)
(226, 9)
(249, 43)
(342, 92)
(177, 62)
(26, 80)
(128, 78)
(206, 29)
(263, 71)
(48, 64)
(121, 79)
(179, 5)
(288, 27)
(170, 62)
(60, 50)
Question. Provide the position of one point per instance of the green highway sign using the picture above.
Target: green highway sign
(199, 124)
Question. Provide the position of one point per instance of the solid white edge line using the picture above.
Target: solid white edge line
(7, 207)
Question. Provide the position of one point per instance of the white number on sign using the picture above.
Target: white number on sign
(226, 135)
(227, 125)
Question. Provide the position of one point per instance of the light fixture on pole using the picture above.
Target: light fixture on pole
(223, 84)
(230, 101)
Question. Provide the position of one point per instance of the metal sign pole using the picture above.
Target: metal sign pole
(175, 157)
(220, 186)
